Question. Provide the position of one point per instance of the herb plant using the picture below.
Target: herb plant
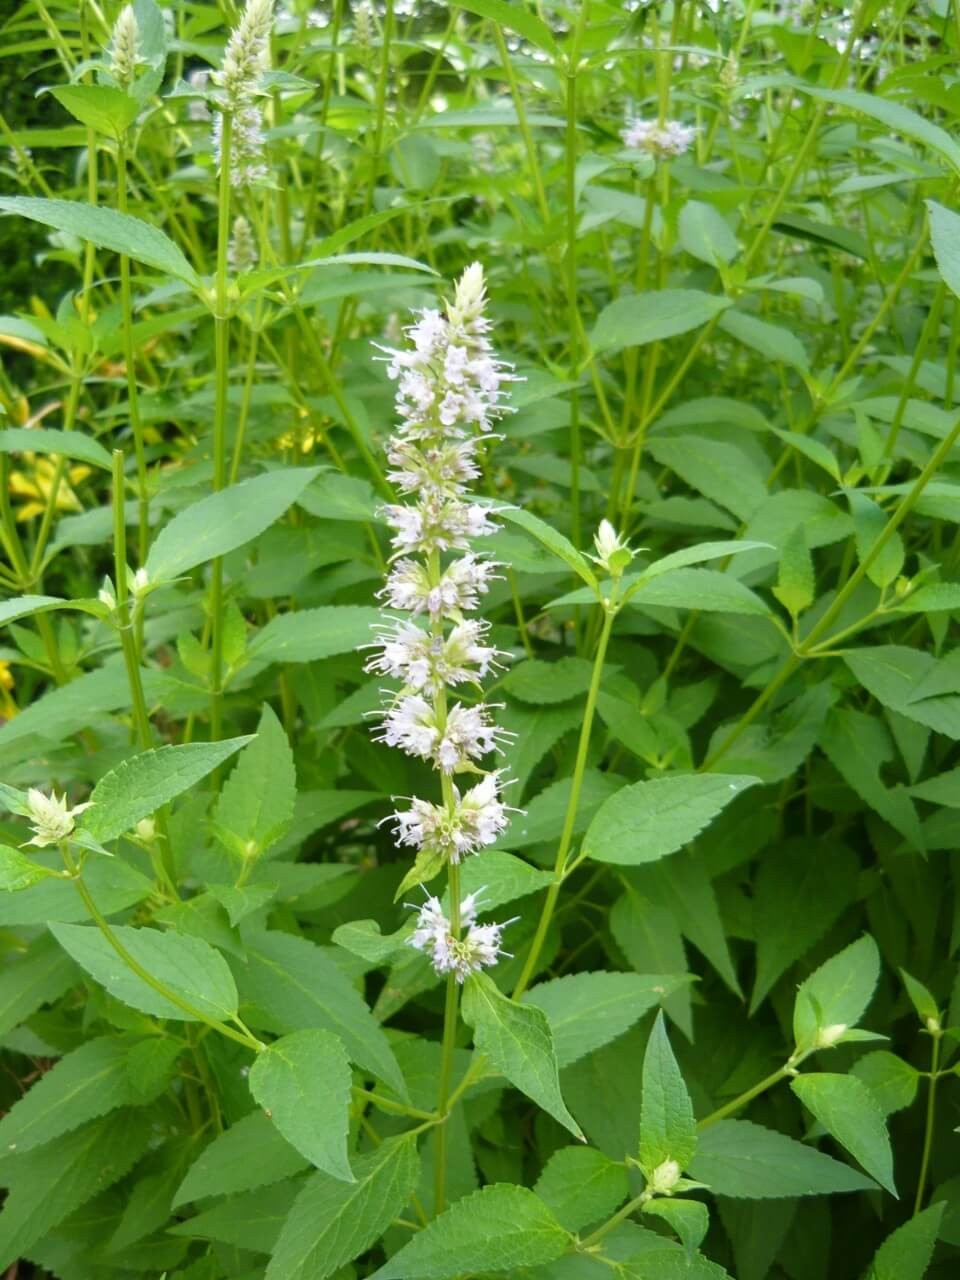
(479, 490)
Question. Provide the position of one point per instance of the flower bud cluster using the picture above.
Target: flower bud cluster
(246, 58)
(51, 817)
(660, 140)
(125, 48)
(450, 387)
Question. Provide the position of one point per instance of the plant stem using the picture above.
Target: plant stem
(222, 357)
(742, 1099)
(931, 1116)
(570, 818)
(129, 358)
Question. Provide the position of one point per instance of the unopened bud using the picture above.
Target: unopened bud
(664, 1178)
(124, 46)
(146, 829)
(933, 1025)
(613, 553)
(140, 582)
(827, 1037)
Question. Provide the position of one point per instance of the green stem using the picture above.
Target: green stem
(376, 149)
(748, 1096)
(133, 394)
(931, 1116)
(560, 869)
(221, 404)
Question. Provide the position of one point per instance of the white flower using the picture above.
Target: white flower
(51, 818)
(477, 949)
(247, 54)
(242, 255)
(663, 140)
(425, 661)
(613, 553)
(477, 819)
(443, 525)
(247, 165)
(468, 735)
(141, 582)
(410, 724)
(408, 586)
(124, 48)
(198, 79)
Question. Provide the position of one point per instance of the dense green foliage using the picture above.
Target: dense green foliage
(721, 1038)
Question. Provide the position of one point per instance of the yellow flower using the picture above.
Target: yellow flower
(34, 487)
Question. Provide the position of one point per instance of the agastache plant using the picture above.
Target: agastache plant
(245, 59)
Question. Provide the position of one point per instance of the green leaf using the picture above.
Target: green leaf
(224, 521)
(921, 999)
(945, 234)
(191, 969)
(104, 227)
(498, 1228)
(311, 634)
(835, 997)
(587, 1010)
(26, 606)
(770, 340)
(40, 975)
(668, 1130)
(251, 1221)
(141, 785)
(251, 1153)
(540, 682)
(331, 1222)
(848, 1110)
(66, 444)
(48, 1184)
(906, 1253)
(705, 233)
(517, 18)
(796, 587)
(580, 1185)
(649, 820)
(257, 799)
(703, 551)
(555, 542)
(296, 986)
(869, 521)
(519, 1043)
(745, 1161)
(702, 589)
(84, 1084)
(720, 470)
(17, 871)
(688, 1218)
(303, 1082)
(107, 110)
(892, 1081)
(640, 318)
(893, 116)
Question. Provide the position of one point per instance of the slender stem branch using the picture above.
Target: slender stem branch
(129, 358)
(742, 1099)
(931, 1116)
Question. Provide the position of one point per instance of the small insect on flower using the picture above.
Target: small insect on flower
(51, 818)
(661, 140)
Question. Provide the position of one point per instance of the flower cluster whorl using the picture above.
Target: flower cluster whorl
(450, 389)
(245, 59)
(661, 140)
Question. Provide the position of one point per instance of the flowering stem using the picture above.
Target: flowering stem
(561, 870)
(129, 359)
(222, 355)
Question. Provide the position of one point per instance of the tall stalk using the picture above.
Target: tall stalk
(129, 357)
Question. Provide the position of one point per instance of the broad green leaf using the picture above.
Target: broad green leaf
(251, 1153)
(894, 116)
(256, 802)
(303, 1083)
(498, 1228)
(104, 227)
(581, 1185)
(191, 969)
(223, 521)
(107, 110)
(516, 17)
(519, 1043)
(66, 444)
(740, 1159)
(720, 470)
(835, 997)
(84, 1084)
(17, 871)
(688, 1218)
(935, 597)
(892, 1081)
(331, 1222)
(849, 1112)
(554, 541)
(921, 999)
(587, 1010)
(251, 1221)
(650, 820)
(906, 1253)
(113, 884)
(869, 521)
(703, 589)
(141, 785)
(295, 985)
(649, 936)
(640, 318)
(668, 1130)
(705, 233)
(540, 682)
(49, 1183)
(698, 554)
(40, 975)
(26, 606)
(311, 634)
(770, 340)
(796, 588)
(945, 234)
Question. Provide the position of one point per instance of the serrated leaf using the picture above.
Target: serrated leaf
(331, 1222)
(256, 801)
(554, 541)
(869, 522)
(251, 1153)
(295, 986)
(17, 871)
(303, 1082)
(519, 1043)
(650, 820)
(311, 634)
(108, 229)
(40, 975)
(587, 1010)
(836, 995)
(496, 1229)
(640, 318)
(668, 1130)
(743, 1160)
(849, 1112)
(688, 1218)
(795, 587)
(892, 1081)
(921, 999)
(141, 785)
(252, 1221)
(770, 340)
(540, 682)
(105, 109)
(224, 521)
(581, 1185)
(906, 1253)
(191, 969)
